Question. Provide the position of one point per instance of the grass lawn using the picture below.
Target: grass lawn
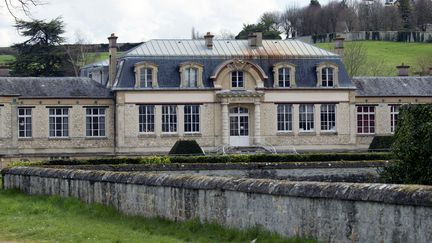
(390, 54)
(26, 218)
(6, 59)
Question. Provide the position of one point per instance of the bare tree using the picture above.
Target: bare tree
(290, 20)
(354, 58)
(14, 6)
(424, 64)
(225, 34)
(80, 53)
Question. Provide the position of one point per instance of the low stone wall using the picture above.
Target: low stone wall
(339, 171)
(329, 212)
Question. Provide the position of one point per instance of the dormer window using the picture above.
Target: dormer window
(284, 75)
(146, 75)
(237, 79)
(327, 75)
(191, 75)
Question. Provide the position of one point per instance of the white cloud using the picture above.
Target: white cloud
(139, 20)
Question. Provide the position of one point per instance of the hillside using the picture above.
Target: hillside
(383, 56)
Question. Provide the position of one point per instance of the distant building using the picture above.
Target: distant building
(222, 93)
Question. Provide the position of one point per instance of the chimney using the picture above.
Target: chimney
(112, 59)
(209, 40)
(339, 45)
(255, 39)
(403, 70)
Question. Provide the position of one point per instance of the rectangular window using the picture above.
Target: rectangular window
(146, 78)
(237, 79)
(365, 119)
(328, 117)
(146, 118)
(169, 118)
(327, 77)
(394, 114)
(284, 77)
(25, 122)
(191, 76)
(95, 122)
(58, 122)
(306, 117)
(284, 117)
(192, 118)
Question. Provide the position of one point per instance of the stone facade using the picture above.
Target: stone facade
(40, 143)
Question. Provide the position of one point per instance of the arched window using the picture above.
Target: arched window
(284, 75)
(191, 75)
(327, 75)
(146, 75)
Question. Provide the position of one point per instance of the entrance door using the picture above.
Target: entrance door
(239, 126)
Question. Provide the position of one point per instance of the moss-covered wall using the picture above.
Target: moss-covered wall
(330, 212)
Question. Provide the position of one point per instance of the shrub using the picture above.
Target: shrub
(381, 143)
(412, 147)
(186, 147)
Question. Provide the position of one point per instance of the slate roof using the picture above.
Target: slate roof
(393, 86)
(227, 49)
(169, 76)
(60, 87)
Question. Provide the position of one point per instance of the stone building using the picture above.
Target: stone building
(55, 117)
(279, 94)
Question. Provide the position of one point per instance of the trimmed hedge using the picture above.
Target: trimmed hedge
(257, 158)
(381, 143)
(186, 147)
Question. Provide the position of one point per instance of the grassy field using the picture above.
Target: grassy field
(6, 59)
(387, 55)
(26, 218)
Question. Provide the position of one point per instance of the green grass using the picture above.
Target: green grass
(390, 54)
(6, 59)
(54, 219)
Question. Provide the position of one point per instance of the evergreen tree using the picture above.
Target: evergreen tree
(314, 3)
(41, 54)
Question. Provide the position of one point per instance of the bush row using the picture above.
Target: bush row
(266, 158)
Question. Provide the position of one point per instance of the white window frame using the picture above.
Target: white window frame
(394, 116)
(58, 122)
(169, 119)
(192, 118)
(146, 118)
(285, 73)
(25, 122)
(96, 122)
(326, 74)
(145, 73)
(191, 83)
(328, 117)
(360, 109)
(284, 117)
(306, 118)
(235, 79)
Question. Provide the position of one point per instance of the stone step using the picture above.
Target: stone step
(247, 150)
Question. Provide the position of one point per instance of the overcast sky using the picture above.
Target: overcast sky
(141, 20)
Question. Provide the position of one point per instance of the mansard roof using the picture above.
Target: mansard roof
(59, 87)
(393, 86)
(228, 49)
(169, 76)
